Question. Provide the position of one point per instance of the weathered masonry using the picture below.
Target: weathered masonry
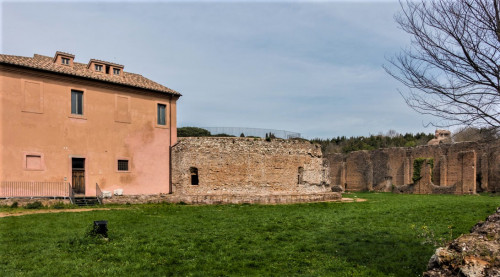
(258, 171)
(67, 126)
(460, 168)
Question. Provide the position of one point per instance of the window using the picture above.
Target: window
(98, 67)
(161, 114)
(77, 102)
(194, 176)
(122, 165)
(116, 71)
(65, 61)
(300, 176)
(78, 163)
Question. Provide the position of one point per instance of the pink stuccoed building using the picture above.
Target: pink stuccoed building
(67, 126)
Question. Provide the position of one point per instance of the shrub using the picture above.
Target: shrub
(58, 205)
(270, 136)
(34, 205)
(14, 205)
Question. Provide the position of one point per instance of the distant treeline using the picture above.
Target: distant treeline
(390, 139)
(339, 144)
(197, 132)
(200, 132)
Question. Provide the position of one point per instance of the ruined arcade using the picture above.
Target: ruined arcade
(456, 168)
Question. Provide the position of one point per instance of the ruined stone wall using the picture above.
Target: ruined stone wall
(359, 171)
(459, 168)
(491, 172)
(247, 166)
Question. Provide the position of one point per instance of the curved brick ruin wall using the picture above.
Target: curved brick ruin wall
(248, 166)
(466, 167)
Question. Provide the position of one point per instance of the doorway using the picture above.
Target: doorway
(78, 175)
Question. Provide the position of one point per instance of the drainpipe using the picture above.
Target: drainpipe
(170, 150)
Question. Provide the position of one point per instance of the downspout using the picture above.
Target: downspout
(170, 150)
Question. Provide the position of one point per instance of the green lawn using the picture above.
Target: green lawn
(380, 237)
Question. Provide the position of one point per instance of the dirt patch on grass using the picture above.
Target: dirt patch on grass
(50, 211)
(352, 200)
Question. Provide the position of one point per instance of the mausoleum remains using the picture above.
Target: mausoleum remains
(250, 170)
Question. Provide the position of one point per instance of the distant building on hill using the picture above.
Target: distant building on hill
(441, 136)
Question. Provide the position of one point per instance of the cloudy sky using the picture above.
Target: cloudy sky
(308, 67)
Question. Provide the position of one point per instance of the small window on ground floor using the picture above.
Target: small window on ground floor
(194, 176)
(122, 165)
(300, 176)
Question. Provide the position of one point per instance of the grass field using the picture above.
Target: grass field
(388, 235)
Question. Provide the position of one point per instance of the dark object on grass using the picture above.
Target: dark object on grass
(100, 228)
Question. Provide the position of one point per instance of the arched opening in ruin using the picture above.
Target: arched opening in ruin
(193, 171)
(300, 176)
(479, 179)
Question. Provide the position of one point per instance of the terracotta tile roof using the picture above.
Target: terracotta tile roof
(64, 53)
(105, 62)
(80, 69)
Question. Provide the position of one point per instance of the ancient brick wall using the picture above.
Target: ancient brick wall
(459, 168)
(359, 171)
(492, 172)
(247, 166)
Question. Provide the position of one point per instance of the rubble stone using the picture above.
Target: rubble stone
(472, 255)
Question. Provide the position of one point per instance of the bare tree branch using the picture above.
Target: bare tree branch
(452, 68)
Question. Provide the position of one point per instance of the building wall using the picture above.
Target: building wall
(117, 123)
(248, 166)
(469, 167)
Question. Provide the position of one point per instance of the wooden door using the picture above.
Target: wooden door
(78, 175)
(78, 181)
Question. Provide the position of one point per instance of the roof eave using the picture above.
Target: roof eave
(173, 93)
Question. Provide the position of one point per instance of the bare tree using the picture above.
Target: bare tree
(452, 68)
(475, 134)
